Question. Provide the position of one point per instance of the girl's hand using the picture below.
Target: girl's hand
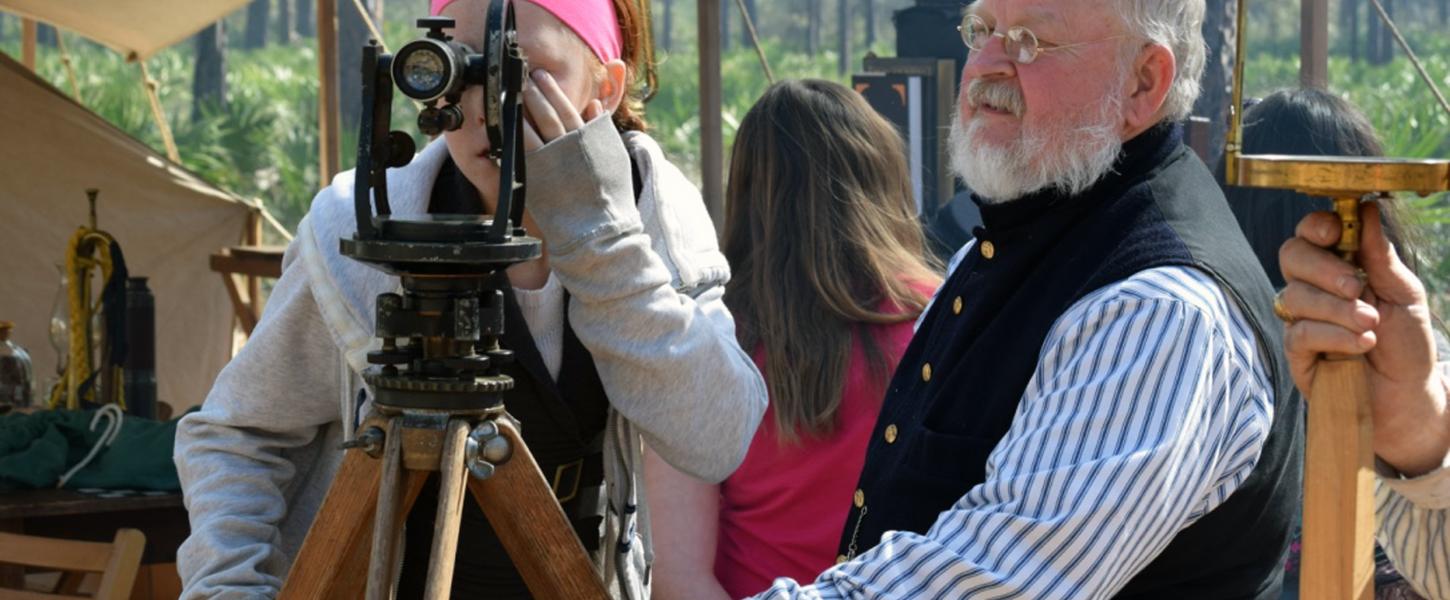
(550, 113)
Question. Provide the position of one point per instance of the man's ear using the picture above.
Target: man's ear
(612, 88)
(1149, 82)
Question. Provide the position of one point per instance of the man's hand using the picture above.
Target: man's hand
(550, 113)
(1384, 316)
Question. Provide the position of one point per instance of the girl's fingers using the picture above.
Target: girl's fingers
(564, 110)
(542, 114)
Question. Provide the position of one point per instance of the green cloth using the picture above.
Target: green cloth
(36, 449)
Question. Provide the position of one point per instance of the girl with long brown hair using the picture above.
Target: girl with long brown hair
(829, 274)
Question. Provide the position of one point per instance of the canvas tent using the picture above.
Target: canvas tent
(167, 221)
(132, 27)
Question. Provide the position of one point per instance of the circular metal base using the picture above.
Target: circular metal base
(440, 245)
(404, 391)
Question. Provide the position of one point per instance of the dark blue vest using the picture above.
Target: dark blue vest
(1035, 257)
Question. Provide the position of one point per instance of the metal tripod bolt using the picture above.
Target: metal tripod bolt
(370, 441)
(486, 448)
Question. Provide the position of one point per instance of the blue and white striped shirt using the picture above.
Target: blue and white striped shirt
(1414, 524)
(1149, 406)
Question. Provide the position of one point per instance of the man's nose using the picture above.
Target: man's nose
(991, 62)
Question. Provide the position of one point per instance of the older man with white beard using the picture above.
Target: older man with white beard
(1095, 404)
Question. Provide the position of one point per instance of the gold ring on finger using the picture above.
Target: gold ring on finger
(1280, 310)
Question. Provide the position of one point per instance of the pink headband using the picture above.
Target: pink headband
(594, 21)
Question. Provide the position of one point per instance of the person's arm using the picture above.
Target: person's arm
(1385, 317)
(668, 359)
(684, 520)
(273, 396)
(1144, 413)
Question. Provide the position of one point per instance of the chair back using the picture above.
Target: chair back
(117, 563)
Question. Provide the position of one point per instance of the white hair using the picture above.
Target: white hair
(1178, 25)
(1067, 156)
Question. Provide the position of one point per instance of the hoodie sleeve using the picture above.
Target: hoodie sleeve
(668, 358)
(232, 455)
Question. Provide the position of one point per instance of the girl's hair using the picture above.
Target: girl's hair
(638, 55)
(821, 233)
(1308, 122)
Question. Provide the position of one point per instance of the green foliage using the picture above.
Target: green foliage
(674, 112)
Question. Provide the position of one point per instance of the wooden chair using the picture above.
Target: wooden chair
(116, 562)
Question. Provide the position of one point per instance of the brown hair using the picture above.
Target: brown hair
(637, 52)
(821, 233)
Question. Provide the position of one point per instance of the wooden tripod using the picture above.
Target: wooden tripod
(379, 480)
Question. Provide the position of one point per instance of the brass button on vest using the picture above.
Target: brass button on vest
(891, 434)
(957, 306)
(840, 558)
(926, 372)
(988, 250)
(860, 498)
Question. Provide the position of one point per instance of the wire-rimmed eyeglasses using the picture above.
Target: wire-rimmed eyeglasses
(1021, 45)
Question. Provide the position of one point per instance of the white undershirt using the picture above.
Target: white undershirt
(543, 310)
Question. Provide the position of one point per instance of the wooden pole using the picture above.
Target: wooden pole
(1314, 43)
(1338, 557)
(327, 101)
(27, 43)
(712, 139)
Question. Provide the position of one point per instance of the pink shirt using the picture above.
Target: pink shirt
(782, 511)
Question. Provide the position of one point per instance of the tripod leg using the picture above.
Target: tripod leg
(385, 518)
(523, 511)
(451, 474)
(339, 525)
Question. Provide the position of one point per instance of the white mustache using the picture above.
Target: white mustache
(999, 95)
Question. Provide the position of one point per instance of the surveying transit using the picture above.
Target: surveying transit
(436, 380)
(1339, 521)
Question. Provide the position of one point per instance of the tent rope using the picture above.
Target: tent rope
(1404, 45)
(150, 85)
(755, 41)
(70, 69)
(377, 34)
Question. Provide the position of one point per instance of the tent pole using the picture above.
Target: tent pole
(27, 43)
(327, 101)
(712, 162)
(1314, 43)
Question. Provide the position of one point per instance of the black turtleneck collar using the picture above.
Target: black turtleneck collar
(1140, 156)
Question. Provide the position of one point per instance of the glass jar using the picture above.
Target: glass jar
(17, 378)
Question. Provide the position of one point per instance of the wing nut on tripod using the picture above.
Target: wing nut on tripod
(485, 449)
(370, 441)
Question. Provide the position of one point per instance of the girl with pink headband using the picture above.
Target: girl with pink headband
(620, 332)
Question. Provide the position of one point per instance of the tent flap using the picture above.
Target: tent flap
(131, 27)
(167, 221)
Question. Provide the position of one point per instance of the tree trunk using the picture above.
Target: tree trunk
(667, 27)
(1381, 44)
(256, 33)
(813, 27)
(726, 7)
(870, 23)
(1349, 27)
(1220, 34)
(352, 35)
(45, 35)
(286, 23)
(306, 11)
(209, 76)
(843, 34)
(745, 40)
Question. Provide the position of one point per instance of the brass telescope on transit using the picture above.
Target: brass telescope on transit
(1339, 522)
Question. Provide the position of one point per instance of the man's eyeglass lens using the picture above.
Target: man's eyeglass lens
(1019, 42)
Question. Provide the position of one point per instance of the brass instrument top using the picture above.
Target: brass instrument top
(1340, 176)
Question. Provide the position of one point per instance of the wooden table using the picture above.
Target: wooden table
(74, 515)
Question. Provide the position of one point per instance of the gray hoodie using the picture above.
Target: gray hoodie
(646, 280)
